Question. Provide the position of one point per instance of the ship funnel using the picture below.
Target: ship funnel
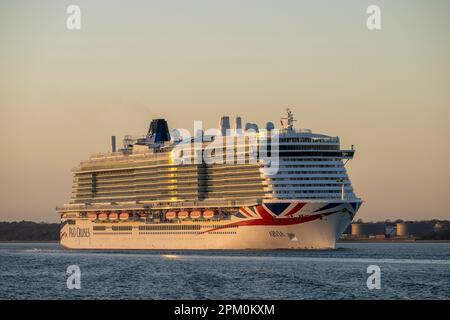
(113, 143)
(224, 125)
(238, 123)
(158, 131)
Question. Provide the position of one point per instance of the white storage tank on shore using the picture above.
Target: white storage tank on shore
(402, 229)
(357, 229)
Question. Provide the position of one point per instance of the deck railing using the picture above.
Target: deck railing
(159, 205)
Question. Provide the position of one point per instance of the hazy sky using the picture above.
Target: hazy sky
(64, 93)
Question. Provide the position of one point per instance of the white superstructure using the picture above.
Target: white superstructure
(155, 194)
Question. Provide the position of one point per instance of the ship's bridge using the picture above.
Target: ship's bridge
(310, 165)
(304, 143)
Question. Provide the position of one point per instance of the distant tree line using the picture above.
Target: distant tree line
(29, 231)
(439, 235)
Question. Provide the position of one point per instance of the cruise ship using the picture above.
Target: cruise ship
(239, 187)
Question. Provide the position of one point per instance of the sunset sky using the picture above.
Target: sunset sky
(63, 93)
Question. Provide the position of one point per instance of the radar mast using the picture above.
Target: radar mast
(287, 123)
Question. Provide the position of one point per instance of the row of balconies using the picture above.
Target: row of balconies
(175, 190)
(173, 193)
(308, 189)
(309, 175)
(169, 180)
(177, 184)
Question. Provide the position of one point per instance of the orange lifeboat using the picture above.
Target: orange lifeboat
(171, 215)
(92, 216)
(102, 216)
(196, 214)
(124, 216)
(183, 214)
(113, 216)
(208, 214)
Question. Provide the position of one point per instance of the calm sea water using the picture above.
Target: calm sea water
(408, 271)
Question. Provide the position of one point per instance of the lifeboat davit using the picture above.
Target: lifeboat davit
(183, 214)
(102, 216)
(196, 214)
(113, 216)
(171, 215)
(143, 214)
(92, 216)
(208, 214)
(124, 216)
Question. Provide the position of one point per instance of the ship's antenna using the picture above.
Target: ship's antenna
(287, 123)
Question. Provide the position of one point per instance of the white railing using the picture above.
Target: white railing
(156, 205)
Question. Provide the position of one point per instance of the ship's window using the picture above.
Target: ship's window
(122, 228)
(167, 228)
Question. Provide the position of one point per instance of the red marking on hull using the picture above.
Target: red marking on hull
(246, 213)
(269, 220)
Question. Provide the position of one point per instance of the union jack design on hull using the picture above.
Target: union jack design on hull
(288, 213)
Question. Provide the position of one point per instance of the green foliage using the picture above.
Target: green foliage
(439, 235)
(29, 231)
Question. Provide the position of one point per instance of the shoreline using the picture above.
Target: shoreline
(339, 241)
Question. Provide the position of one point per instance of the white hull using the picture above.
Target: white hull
(308, 228)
